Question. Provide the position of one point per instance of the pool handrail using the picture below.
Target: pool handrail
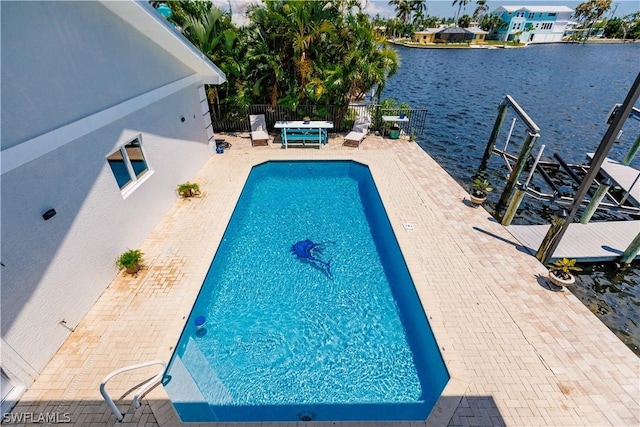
(141, 390)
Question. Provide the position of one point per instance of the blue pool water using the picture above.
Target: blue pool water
(285, 339)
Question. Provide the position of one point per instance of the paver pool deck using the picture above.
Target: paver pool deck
(519, 353)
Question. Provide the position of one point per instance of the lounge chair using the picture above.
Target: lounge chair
(259, 135)
(358, 133)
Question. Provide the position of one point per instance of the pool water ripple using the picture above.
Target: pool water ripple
(283, 331)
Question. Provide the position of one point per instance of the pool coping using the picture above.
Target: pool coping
(517, 352)
(445, 406)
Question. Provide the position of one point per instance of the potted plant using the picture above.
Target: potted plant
(479, 190)
(560, 272)
(130, 261)
(188, 189)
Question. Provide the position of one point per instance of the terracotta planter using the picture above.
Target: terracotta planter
(133, 269)
(477, 200)
(559, 281)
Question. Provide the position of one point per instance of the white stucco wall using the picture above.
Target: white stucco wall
(56, 269)
(64, 60)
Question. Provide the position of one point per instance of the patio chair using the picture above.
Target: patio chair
(358, 133)
(259, 135)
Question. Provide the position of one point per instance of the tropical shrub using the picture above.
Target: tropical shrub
(563, 268)
(131, 260)
(481, 187)
(188, 189)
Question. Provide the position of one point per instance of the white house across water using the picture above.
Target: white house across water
(104, 113)
(533, 24)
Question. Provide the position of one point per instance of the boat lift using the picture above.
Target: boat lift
(616, 198)
(594, 173)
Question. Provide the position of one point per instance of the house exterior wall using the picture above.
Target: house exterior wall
(54, 270)
(478, 38)
(423, 37)
(429, 37)
(533, 25)
(67, 60)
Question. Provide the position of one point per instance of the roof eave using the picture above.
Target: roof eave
(143, 17)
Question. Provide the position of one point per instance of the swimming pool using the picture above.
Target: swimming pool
(340, 336)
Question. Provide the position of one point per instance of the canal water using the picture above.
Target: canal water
(568, 90)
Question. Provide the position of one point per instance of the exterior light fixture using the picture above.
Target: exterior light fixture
(49, 214)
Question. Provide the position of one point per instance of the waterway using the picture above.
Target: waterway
(568, 90)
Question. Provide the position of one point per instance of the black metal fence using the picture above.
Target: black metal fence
(228, 121)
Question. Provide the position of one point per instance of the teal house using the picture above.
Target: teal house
(533, 24)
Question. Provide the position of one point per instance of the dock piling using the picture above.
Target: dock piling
(544, 253)
(616, 122)
(514, 205)
(520, 192)
(632, 152)
(502, 112)
(595, 200)
(632, 251)
(512, 181)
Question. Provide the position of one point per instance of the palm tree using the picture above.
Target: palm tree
(418, 20)
(481, 9)
(314, 53)
(418, 6)
(365, 60)
(464, 21)
(460, 3)
(212, 32)
(590, 12)
(308, 23)
(403, 10)
(492, 23)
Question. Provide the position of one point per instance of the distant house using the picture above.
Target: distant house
(426, 36)
(450, 35)
(104, 113)
(533, 24)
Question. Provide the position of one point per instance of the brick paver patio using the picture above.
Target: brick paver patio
(518, 353)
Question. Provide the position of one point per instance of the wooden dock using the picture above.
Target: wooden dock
(592, 242)
(625, 177)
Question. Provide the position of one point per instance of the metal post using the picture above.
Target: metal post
(632, 152)
(595, 201)
(632, 251)
(520, 192)
(545, 251)
(601, 153)
(514, 205)
(502, 112)
(506, 143)
(525, 152)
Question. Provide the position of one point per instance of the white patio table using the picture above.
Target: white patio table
(314, 131)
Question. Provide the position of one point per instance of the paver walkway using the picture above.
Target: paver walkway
(518, 353)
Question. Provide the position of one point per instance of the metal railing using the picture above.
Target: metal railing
(231, 121)
(144, 387)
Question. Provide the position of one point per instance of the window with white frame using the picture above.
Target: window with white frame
(128, 164)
